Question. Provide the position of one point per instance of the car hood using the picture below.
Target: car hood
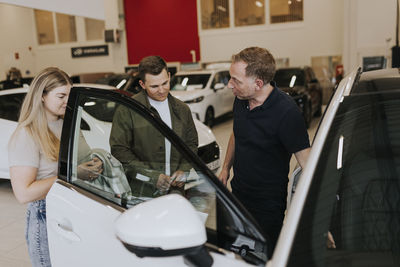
(187, 95)
(205, 134)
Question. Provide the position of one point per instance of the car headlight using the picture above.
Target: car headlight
(196, 100)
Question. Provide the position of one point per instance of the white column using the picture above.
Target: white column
(114, 19)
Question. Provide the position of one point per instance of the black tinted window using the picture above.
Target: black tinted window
(10, 106)
(289, 77)
(195, 81)
(354, 193)
(100, 109)
(115, 80)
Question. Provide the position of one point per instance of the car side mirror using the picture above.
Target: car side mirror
(219, 86)
(165, 226)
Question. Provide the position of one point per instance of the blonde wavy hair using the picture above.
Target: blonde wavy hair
(33, 115)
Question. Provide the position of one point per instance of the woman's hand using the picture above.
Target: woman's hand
(90, 170)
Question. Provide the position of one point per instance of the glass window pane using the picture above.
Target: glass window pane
(249, 12)
(94, 29)
(190, 81)
(10, 106)
(44, 27)
(357, 201)
(286, 10)
(66, 28)
(214, 14)
(131, 174)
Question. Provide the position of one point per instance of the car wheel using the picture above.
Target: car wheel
(209, 118)
(243, 250)
(307, 114)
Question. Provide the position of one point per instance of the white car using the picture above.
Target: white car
(345, 211)
(96, 123)
(205, 91)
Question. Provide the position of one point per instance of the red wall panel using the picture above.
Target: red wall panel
(167, 28)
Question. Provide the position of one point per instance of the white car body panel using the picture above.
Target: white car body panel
(8, 127)
(81, 232)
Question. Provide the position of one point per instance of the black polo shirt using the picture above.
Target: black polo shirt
(265, 139)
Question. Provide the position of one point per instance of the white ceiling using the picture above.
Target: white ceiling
(85, 8)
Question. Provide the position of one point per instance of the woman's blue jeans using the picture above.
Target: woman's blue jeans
(36, 234)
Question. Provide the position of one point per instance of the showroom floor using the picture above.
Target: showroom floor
(13, 251)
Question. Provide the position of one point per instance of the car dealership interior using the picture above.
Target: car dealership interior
(336, 59)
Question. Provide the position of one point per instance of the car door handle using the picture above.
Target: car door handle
(65, 231)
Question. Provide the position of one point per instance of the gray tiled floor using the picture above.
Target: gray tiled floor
(13, 251)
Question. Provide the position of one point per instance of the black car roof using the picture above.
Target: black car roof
(378, 81)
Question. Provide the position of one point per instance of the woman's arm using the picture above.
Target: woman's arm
(25, 186)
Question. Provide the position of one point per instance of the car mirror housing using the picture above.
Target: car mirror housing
(219, 86)
(165, 226)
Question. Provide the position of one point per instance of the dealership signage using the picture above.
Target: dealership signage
(89, 51)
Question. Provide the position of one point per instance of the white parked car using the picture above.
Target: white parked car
(96, 124)
(205, 91)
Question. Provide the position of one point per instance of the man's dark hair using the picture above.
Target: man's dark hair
(260, 63)
(153, 65)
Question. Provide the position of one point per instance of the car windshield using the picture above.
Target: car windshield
(117, 81)
(189, 81)
(354, 195)
(289, 77)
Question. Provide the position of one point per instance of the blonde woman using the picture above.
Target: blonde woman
(33, 154)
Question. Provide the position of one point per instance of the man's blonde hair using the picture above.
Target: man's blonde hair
(33, 115)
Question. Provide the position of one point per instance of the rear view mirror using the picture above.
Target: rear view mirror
(165, 226)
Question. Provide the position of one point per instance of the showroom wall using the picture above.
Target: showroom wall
(165, 28)
(370, 30)
(352, 29)
(19, 47)
(320, 34)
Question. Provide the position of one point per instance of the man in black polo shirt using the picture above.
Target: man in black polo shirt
(267, 129)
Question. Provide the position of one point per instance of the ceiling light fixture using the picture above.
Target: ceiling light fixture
(259, 4)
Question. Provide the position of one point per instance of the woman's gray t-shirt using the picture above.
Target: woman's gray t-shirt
(23, 151)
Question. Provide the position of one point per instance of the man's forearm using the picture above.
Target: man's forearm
(230, 154)
(302, 156)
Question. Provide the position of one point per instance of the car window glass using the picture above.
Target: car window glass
(10, 106)
(100, 109)
(130, 176)
(182, 82)
(221, 77)
(289, 77)
(354, 196)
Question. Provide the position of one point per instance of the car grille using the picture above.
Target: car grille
(209, 153)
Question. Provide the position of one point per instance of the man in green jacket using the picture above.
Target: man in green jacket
(149, 160)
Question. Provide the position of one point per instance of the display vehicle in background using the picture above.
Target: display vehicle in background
(205, 91)
(302, 85)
